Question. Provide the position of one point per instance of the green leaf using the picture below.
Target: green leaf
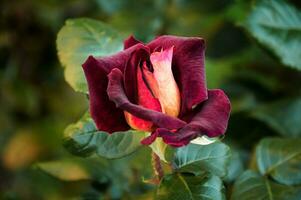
(251, 186)
(283, 116)
(195, 158)
(80, 38)
(281, 159)
(187, 187)
(83, 139)
(235, 167)
(277, 26)
(113, 174)
(66, 170)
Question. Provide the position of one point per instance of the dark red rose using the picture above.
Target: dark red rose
(158, 87)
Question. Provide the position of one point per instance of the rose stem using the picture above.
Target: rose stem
(157, 167)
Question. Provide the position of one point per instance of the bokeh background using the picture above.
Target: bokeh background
(36, 104)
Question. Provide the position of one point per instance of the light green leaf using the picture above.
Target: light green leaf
(283, 116)
(113, 173)
(251, 186)
(83, 139)
(80, 38)
(196, 159)
(158, 147)
(66, 170)
(187, 187)
(281, 159)
(277, 26)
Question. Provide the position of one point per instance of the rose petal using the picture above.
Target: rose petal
(150, 139)
(146, 100)
(188, 67)
(117, 94)
(211, 119)
(100, 106)
(130, 41)
(168, 91)
(169, 137)
(130, 72)
(103, 111)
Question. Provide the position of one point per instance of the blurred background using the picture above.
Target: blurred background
(36, 103)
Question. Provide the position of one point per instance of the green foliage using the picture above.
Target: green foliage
(111, 176)
(83, 139)
(80, 38)
(187, 187)
(235, 167)
(280, 159)
(195, 158)
(273, 114)
(276, 25)
(251, 185)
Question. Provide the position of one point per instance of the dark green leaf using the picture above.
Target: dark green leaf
(185, 187)
(281, 159)
(283, 116)
(236, 166)
(251, 186)
(80, 38)
(196, 159)
(83, 139)
(277, 26)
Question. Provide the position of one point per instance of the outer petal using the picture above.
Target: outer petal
(188, 67)
(130, 41)
(103, 111)
(116, 93)
(211, 119)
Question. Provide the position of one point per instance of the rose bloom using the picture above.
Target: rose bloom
(158, 87)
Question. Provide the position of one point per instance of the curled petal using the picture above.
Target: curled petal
(211, 119)
(169, 137)
(150, 139)
(116, 94)
(188, 67)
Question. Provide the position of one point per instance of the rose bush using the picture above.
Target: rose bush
(159, 87)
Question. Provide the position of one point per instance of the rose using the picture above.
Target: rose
(159, 87)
